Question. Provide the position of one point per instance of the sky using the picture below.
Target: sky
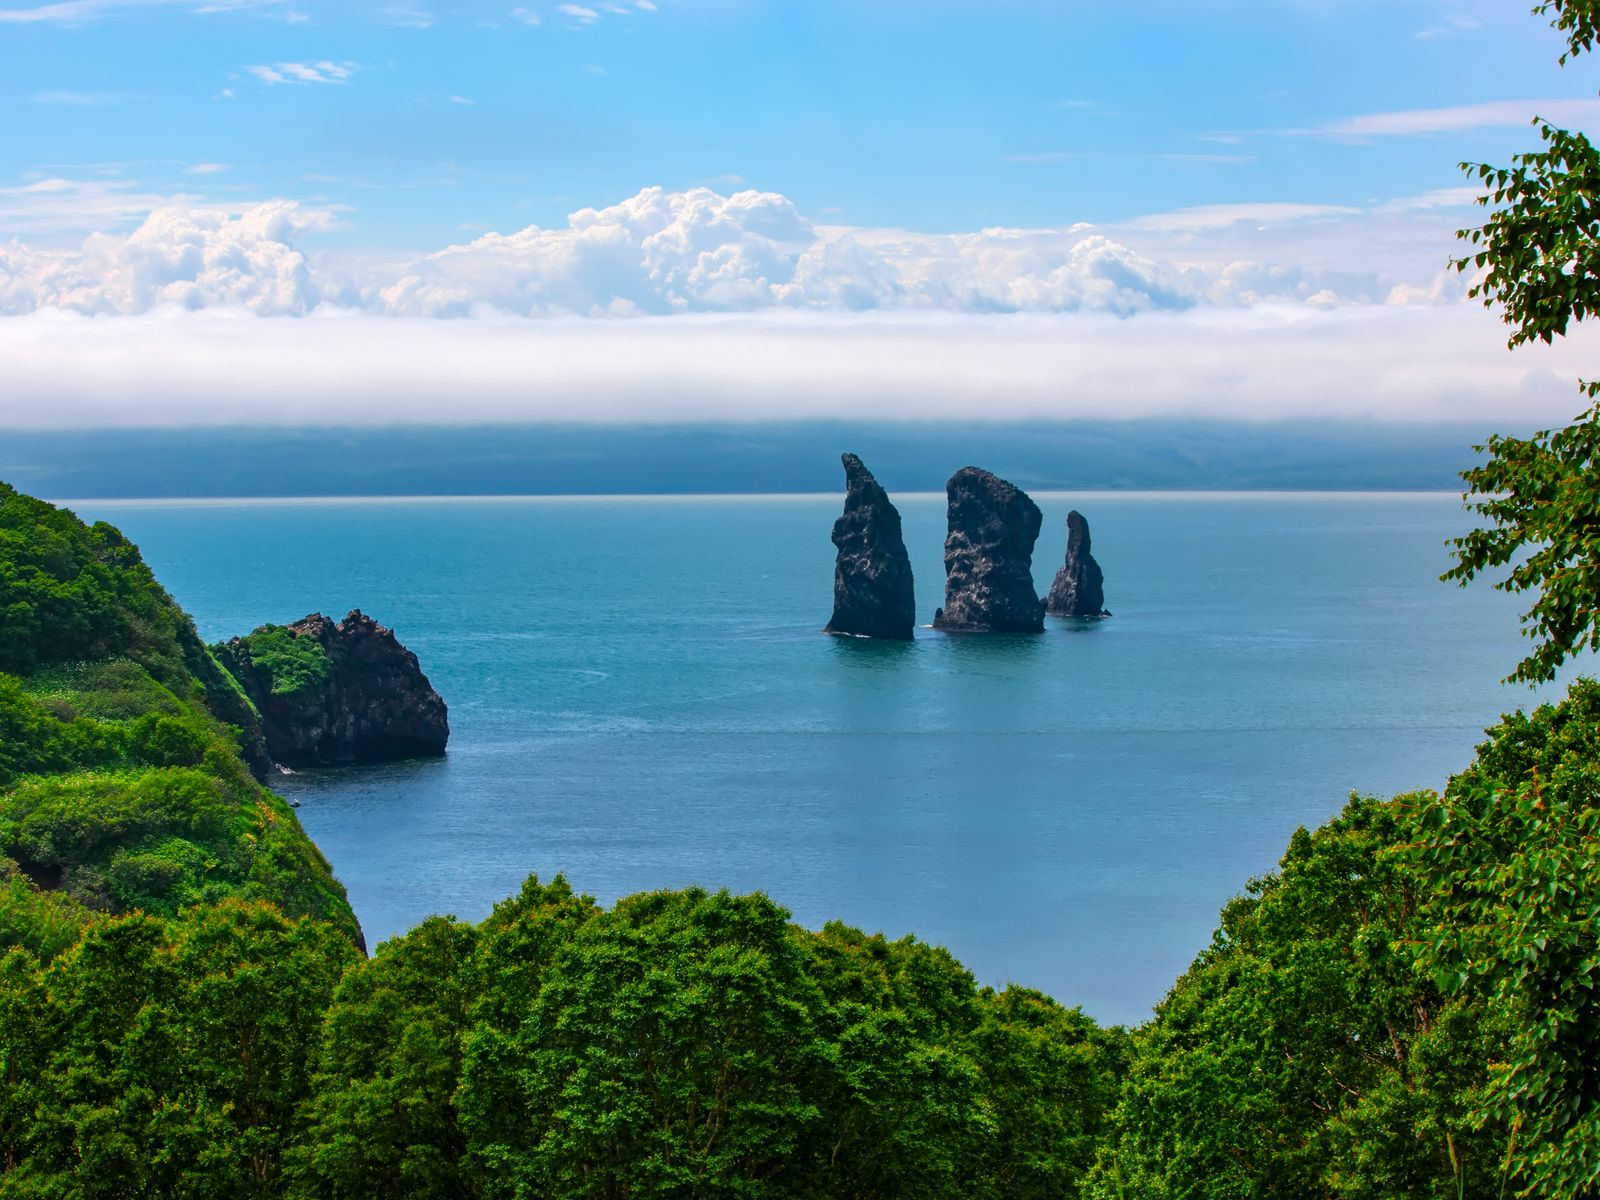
(293, 211)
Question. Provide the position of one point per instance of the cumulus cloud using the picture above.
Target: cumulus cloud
(188, 257)
(699, 305)
(662, 253)
(226, 367)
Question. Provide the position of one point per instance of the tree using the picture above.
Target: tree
(1513, 849)
(1539, 258)
(699, 1045)
(1303, 1054)
(382, 1111)
(669, 1051)
(164, 1058)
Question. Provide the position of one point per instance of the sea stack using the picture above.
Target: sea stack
(336, 693)
(988, 557)
(1079, 589)
(872, 590)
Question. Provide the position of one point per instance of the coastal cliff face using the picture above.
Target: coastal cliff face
(988, 557)
(1079, 587)
(334, 693)
(872, 587)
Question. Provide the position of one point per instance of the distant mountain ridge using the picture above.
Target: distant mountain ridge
(756, 458)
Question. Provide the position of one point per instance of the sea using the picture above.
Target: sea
(641, 697)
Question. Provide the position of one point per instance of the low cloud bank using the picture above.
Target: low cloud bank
(171, 367)
(694, 306)
(660, 253)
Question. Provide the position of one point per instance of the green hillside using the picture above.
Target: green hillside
(125, 750)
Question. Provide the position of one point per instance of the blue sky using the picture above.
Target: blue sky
(928, 116)
(1224, 207)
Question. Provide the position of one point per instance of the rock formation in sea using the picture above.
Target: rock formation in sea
(988, 557)
(333, 693)
(1079, 588)
(872, 590)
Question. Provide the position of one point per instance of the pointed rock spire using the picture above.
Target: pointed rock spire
(988, 557)
(1079, 588)
(872, 589)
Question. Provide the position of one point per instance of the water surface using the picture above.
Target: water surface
(640, 698)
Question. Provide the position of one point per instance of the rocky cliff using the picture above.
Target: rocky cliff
(1079, 588)
(872, 588)
(332, 693)
(988, 557)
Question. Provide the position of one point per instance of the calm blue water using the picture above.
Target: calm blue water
(639, 697)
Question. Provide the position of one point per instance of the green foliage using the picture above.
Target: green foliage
(45, 727)
(383, 1103)
(1304, 1053)
(695, 1044)
(1052, 1079)
(44, 922)
(147, 808)
(1578, 19)
(1537, 252)
(1513, 851)
(71, 592)
(118, 789)
(111, 690)
(1540, 500)
(669, 1050)
(161, 837)
(163, 1058)
(292, 664)
(1538, 257)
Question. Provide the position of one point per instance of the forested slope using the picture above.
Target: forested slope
(124, 783)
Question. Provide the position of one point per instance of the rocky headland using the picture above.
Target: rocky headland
(332, 693)
(872, 586)
(988, 557)
(1079, 587)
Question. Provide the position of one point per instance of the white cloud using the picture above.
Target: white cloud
(54, 206)
(663, 253)
(184, 256)
(208, 168)
(1048, 157)
(589, 14)
(658, 252)
(527, 16)
(1453, 197)
(1451, 24)
(81, 12)
(227, 367)
(739, 306)
(1494, 114)
(304, 72)
(404, 15)
(1215, 216)
(80, 99)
